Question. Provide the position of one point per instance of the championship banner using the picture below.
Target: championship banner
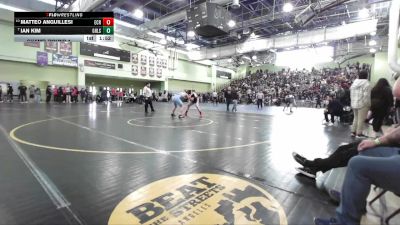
(143, 71)
(159, 72)
(134, 70)
(51, 46)
(143, 59)
(135, 58)
(151, 71)
(151, 61)
(159, 62)
(164, 63)
(41, 58)
(65, 48)
(64, 60)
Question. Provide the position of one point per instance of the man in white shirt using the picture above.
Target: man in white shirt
(147, 93)
(260, 99)
(215, 97)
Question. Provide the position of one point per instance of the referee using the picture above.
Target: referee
(147, 98)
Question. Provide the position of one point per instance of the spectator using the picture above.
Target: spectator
(235, 98)
(260, 99)
(68, 91)
(360, 93)
(334, 108)
(10, 93)
(376, 165)
(381, 104)
(55, 94)
(38, 95)
(215, 97)
(22, 93)
(48, 94)
(32, 93)
(228, 98)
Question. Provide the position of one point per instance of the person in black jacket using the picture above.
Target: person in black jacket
(228, 97)
(10, 93)
(334, 108)
(381, 103)
(48, 94)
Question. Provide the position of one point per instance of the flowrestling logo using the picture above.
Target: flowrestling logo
(199, 199)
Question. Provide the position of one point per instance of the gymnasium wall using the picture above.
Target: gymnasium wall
(18, 62)
(180, 85)
(17, 71)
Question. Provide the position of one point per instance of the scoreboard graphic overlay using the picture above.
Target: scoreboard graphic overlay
(64, 26)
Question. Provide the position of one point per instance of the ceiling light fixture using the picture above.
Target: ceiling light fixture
(287, 7)
(191, 33)
(372, 50)
(231, 23)
(372, 33)
(138, 13)
(372, 43)
(254, 57)
(363, 13)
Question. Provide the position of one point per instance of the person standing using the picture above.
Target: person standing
(22, 93)
(235, 99)
(83, 95)
(10, 93)
(375, 164)
(228, 98)
(318, 101)
(215, 97)
(360, 95)
(147, 93)
(38, 95)
(32, 90)
(48, 94)
(381, 103)
(55, 94)
(68, 94)
(260, 99)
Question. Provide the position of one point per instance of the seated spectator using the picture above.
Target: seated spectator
(376, 165)
(334, 108)
(339, 158)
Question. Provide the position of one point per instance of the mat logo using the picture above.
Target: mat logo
(199, 199)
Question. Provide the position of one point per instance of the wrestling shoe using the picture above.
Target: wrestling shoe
(298, 158)
(331, 221)
(181, 117)
(186, 113)
(173, 115)
(307, 172)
